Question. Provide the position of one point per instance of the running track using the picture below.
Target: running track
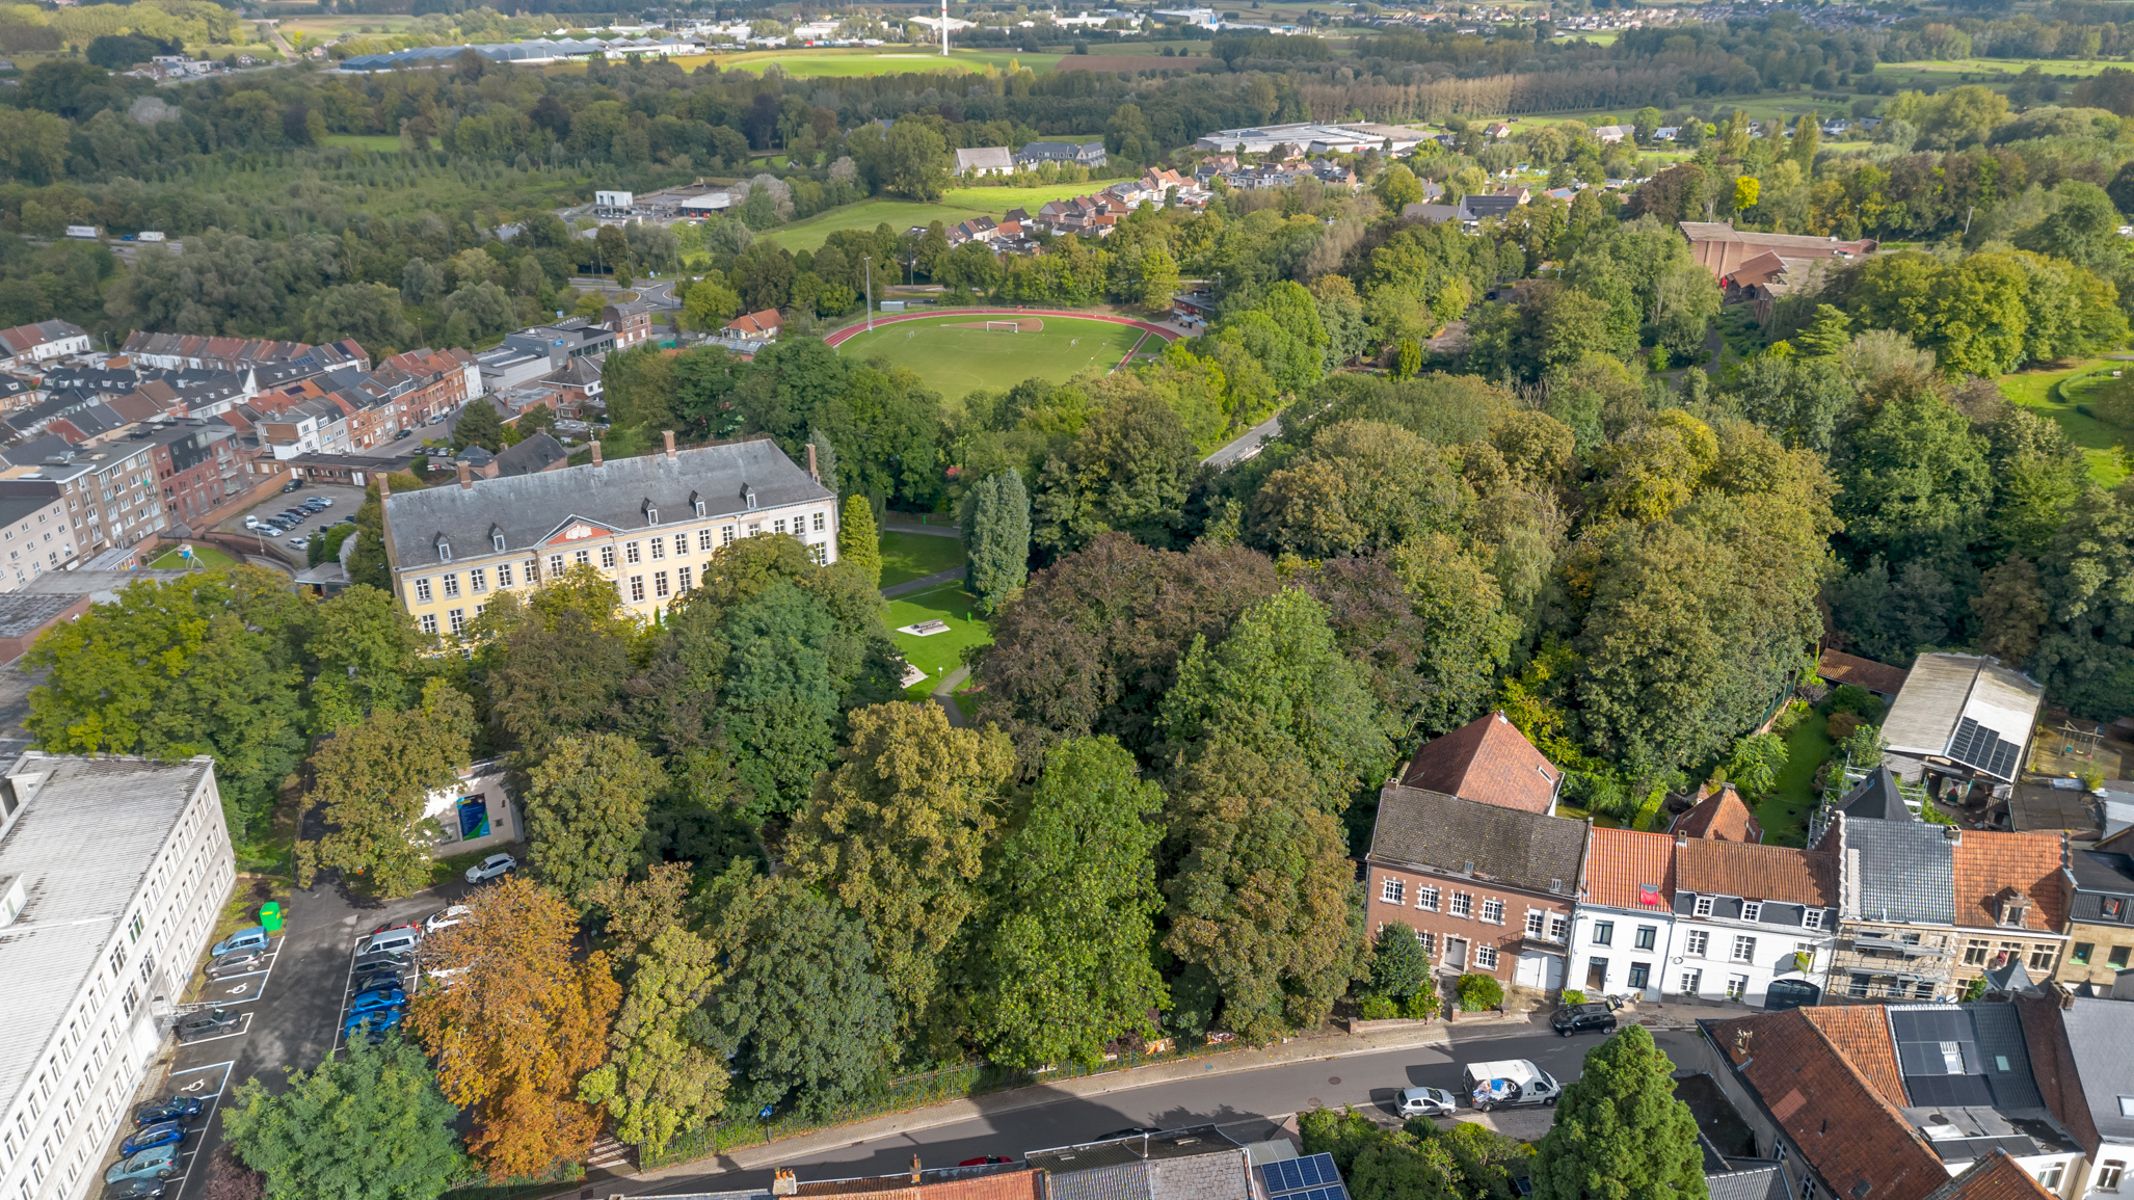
(839, 337)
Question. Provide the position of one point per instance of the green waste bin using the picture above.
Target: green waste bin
(270, 916)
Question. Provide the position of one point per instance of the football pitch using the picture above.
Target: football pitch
(957, 353)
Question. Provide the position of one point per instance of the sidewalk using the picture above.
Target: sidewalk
(1322, 1046)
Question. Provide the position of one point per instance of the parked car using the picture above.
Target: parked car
(323, 501)
(496, 866)
(384, 997)
(299, 543)
(159, 1163)
(291, 486)
(445, 918)
(1426, 1102)
(206, 1023)
(254, 938)
(376, 1020)
(134, 1189)
(253, 522)
(394, 959)
(169, 1133)
(370, 981)
(241, 962)
(1582, 1018)
(400, 938)
(170, 1108)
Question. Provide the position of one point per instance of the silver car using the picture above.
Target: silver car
(1426, 1102)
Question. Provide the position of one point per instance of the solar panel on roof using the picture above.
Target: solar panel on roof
(1977, 746)
(1312, 1177)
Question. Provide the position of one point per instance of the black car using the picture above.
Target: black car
(367, 980)
(170, 1108)
(135, 1189)
(206, 1023)
(1582, 1018)
(291, 486)
(389, 959)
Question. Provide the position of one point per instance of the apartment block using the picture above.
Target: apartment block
(112, 872)
(110, 491)
(35, 537)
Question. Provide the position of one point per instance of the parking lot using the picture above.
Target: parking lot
(299, 526)
(291, 1008)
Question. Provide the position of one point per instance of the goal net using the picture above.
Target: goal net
(1003, 326)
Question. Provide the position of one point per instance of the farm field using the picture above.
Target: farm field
(885, 61)
(1940, 69)
(956, 204)
(2061, 393)
(955, 354)
(376, 143)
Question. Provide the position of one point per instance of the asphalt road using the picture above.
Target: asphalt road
(1244, 445)
(1246, 1105)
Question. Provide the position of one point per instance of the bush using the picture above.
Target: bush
(1399, 964)
(1421, 1005)
(1480, 993)
(1856, 701)
(1842, 724)
(1378, 1008)
(1573, 996)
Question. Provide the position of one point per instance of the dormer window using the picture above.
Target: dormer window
(748, 496)
(651, 513)
(696, 503)
(444, 551)
(1752, 910)
(496, 542)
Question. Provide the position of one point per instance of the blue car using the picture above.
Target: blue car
(169, 1133)
(159, 1163)
(377, 1019)
(171, 1108)
(390, 997)
(254, 938)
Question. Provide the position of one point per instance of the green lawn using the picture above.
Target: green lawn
(956, 204)
(908, 556)
(377, 143)
(897, 61)
(204, 555)
(957, 355)
(943, 652)
(2057, 391)
(1944, 67)
(1784, 813)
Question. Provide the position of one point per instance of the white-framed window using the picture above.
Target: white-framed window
(778, 526)
(681, 544)
(637, 588)
(819, 554)
(1493, 911)
(651, 515)
(1703, 907)
(1534, 920)
(444, 552)
(726, 535)
(478, 580)
(659, 548)
(583, 558)
(1696, 942)
(422, 591)
(632, 553)
(1744, 949)
(2109, 1176)
(1426, 898)
(1811, 918)
(607, 558)
(2049, 1176)
(555, 566)
(659, 584)
(701, 510)
(1559, 927)
(456, 620)
(1428, 942)
(496, 542)
(1463, 904)
(503, 575)
(451, 585)
(819, 522)
(705, 545)
(684, 579)
(1393, 891)
(1737, 986)
(1486, 957)
(1692, 981)
(1752, 910)
(428, 622)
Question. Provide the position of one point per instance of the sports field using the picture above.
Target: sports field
(956, 354)
(815, 64)
(956, 204)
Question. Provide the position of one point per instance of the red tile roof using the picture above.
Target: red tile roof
(1757, 872)
(998, 1185)
(1630, 870)
(1838, 667)
(1994, 1177)
(1990, 865)
(1488, 761)
(762, 321)
(1723, 816)
(1804, 1066)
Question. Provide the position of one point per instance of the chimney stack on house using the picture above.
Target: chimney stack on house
(668, 435)
(596, 452)
(813, 472)
(466, 474)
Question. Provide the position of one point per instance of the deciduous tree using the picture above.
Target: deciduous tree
(366, 1124)
(369, 782)
(1620, 1134)
(585, 811)
(659, 1078)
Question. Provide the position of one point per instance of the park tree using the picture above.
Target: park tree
(1360, 487)
(523, 1023)
(996, 538)
(369, 783)
(635, 911)
(897, 832)
(1127, 470)
(1398, 187)
(1278, 682)
(803, 1018)
(585, 811)
(554, 661)
(1260, 902)
(660, 1079)
(1063, 954)
(367, 1124)
(709, 305)
(780, 699)
(367, 657)
(858, 541)
(1620, 1134)
(1915, 478)
(478, 425)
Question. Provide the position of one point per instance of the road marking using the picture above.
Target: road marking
(244, 1026)
(214, 1105)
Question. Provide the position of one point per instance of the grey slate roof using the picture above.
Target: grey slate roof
(1755, 1183)
(529, 455)
(1898, 871)
(1526, 850)
(24, 613)
(528, 509)
(2101, 1033)
(1198, 1163)
(1876, 798)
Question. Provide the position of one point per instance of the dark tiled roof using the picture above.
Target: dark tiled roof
(529, 455)
(1523, 849)
(1488, 761)
(2102, 1035)
(527, 509)
(1838, 667)
(2052, 1065)
(1876, 798)
(1899, 871)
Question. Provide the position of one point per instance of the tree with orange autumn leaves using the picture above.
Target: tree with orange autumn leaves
(513, 1035)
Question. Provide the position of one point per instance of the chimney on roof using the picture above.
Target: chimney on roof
(1954, 833)
(915, 1168)
(813, 473)
(466, 474)
(784, 1183)
(668, 436)
(385, 485)
(596, 452)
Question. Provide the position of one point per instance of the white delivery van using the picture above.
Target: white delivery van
(1508, 1083)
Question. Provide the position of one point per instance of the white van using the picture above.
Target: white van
(391, 940)
(1508, 1083)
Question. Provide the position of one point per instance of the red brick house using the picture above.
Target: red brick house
(1487, 888)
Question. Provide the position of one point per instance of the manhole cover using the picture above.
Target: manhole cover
(1333, 1080)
